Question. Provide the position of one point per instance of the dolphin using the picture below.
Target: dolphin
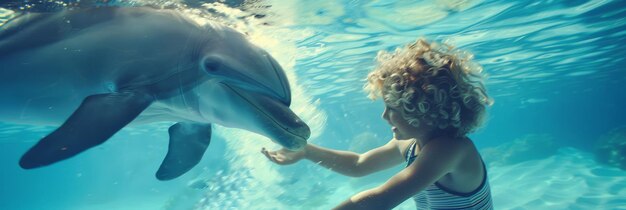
(94, 71)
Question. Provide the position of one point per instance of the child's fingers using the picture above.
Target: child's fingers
(266, 153)
(273, 156)
(273, 159)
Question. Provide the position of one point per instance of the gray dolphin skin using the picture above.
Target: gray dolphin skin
(94, 71)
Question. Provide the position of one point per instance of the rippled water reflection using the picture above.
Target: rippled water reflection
(555, 67)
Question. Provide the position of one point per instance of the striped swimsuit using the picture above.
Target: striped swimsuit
(437, 196)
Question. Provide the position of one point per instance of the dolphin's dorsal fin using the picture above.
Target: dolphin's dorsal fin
(188, 142)
(96, 120)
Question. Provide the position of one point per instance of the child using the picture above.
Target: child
(433, 97)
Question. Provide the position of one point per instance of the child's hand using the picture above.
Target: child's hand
(283, 156)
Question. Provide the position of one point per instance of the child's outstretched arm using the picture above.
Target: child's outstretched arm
(435, 160)
(344, 162)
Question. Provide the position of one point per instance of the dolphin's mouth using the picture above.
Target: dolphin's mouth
(280, 115)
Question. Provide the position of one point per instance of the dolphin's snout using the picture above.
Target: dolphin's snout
(274, 119)
(303, 132)
(295, 134)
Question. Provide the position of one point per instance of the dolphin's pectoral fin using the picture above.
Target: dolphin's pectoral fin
(188, 142)
(96, 120)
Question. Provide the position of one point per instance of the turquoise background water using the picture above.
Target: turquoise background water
(555, 69)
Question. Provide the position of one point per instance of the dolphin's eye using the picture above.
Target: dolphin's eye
(211, 64)
(211, 67)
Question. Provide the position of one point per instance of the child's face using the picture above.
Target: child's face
(399, 126)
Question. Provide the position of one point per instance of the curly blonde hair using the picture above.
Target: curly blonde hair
(431, 83)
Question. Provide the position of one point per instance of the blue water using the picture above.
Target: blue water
(555, 69)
